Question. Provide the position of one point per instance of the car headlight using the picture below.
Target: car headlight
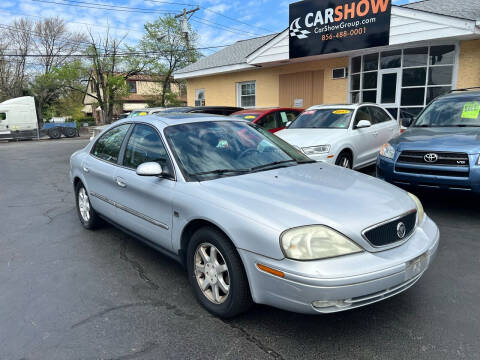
(313, 150)
(420, 210)
(316, 242)
(387, 151)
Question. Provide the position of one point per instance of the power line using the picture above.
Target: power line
(238, 21)
(222, 27)
(98, 6)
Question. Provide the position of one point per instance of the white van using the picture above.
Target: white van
(18, 118)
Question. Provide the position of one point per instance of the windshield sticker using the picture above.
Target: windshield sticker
(471, 110)
(341, 112)
(309, 112)
(249, 117)
(142, 114)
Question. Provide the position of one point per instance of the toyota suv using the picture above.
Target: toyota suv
(440, 149)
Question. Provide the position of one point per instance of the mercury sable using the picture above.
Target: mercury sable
(251, 217)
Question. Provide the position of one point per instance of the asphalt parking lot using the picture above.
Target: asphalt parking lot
(68, 293)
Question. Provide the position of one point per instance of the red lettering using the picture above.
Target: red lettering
(366, 8)
(379, 4)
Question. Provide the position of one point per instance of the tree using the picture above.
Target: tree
(56, 44)
(165, 38)
(109, 72)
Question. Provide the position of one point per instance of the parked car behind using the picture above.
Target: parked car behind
(346, 135)
(271, 119)
(251, 217)
(213, 110)
(441, 149)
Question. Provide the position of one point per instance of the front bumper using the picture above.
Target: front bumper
(328, 158)
(342, 283)
(386, 171)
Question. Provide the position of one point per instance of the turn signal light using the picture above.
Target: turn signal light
(271, 271)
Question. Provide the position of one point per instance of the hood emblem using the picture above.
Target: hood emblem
(401, 230)
(431, 158)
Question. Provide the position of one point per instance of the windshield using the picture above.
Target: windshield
(450, 113)
(207, 150)
(323, 119)
(249, 117)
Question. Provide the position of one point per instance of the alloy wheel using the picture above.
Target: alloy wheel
(84, 204)
(211, 272)
(345, 162)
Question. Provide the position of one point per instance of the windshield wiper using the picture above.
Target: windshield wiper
(462, 125)
(222, 172)
(261, 167)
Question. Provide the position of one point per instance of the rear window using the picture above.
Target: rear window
(3, 116)
(451, 112)
(323, 119)
(248, 117)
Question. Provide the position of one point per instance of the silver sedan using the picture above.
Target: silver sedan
(251, 217)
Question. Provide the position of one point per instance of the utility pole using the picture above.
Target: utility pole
(185, 30)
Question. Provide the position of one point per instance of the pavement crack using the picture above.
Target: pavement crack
(137, 266)
(249, 337)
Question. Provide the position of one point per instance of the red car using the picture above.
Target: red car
(272, 119)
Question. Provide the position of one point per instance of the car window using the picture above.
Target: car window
(379, 115)
(108, 146)
(145, 145)
(247, 116)
(3, 116)
(451, 112)
(268, 122)
(330, 118)
(289, 115)
(362, 114)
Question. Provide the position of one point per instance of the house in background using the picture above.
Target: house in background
(141, 87)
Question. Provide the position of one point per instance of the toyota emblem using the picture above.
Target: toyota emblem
(401, 230)
(431, 158)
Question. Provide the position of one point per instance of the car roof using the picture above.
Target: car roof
(342, 106)
(185, 118)
(461, 94)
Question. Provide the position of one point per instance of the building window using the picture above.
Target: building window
(200, 97)
(246, 94)
(132, 87)
(412, 77)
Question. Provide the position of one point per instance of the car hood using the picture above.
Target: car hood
(307, 194)
(311, 137)
(440, 139)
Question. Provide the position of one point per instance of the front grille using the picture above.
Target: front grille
(444, 158)
(430, 171)
(387, 233)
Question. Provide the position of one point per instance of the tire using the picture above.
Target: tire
(54, 133)
(226, 305)
(87, 215)
(344, 160)
(70, 132)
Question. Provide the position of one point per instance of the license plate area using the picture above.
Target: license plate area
(416, 266)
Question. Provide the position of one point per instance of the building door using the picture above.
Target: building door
(389, 88)
(301, 90)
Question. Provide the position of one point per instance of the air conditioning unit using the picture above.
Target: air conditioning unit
(340, 73)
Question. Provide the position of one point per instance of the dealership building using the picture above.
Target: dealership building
(403, 58)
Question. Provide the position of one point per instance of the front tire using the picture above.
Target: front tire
(87, 215)
(216, 273)
(54, 133)
(344, 160)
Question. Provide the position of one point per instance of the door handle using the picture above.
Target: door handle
(120, 182)
(85, 169)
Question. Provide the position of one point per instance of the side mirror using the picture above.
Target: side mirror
(362, 124)
(407, 122)
(149, 169)
(288, 124)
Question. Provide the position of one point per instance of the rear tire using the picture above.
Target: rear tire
(344, 160)
(70, 132)
(87, 215)
(214, 265)
(54, 133)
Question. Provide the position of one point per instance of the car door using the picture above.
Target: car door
(99, 170)
(364, 139)
(386, 126)
(145, 202)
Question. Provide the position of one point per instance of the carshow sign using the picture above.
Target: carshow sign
(328, 26)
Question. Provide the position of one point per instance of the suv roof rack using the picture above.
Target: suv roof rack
(465, 89)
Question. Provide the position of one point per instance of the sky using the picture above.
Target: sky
(219, 22)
